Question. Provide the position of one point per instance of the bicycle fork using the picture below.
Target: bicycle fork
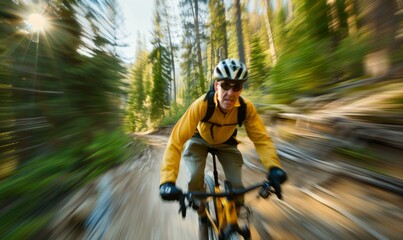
(232, 222)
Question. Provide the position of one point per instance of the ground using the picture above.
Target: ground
(124, 204)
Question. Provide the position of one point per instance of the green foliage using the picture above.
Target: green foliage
(397, 57)
(311, 57)
(218, 25)
(161, 73)
(342, 15)
(189, 72)
(136, 109)
(349, 55)
(8, 158)
(315, 15)
(61, 117)
(280, 28)
(300, 73)
(175, 113)
(161, 80)
(34, 190)
(258, 67)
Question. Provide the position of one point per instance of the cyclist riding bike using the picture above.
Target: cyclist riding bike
(195, 135)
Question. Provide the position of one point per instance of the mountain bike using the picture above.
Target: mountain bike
(220, 207)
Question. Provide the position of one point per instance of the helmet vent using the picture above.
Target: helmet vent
(239, 73)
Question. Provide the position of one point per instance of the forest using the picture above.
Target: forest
(70, 104)
(293, 49)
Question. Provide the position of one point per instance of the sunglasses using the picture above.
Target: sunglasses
(236, 87)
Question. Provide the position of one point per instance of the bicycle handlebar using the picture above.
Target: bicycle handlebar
(231, 193)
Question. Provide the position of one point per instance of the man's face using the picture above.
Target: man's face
(228, 93)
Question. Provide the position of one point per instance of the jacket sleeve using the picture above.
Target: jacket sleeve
(258, 134)
(183, 130)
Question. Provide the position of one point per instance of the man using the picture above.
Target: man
(194, 136)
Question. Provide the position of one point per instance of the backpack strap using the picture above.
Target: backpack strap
(241, 111)
(210, 105)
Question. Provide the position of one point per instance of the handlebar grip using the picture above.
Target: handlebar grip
(182, 206)
(265, 190)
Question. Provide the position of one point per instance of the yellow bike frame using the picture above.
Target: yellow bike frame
(226, 212)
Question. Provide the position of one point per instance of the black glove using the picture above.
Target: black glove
(168, 191)
(276, 177)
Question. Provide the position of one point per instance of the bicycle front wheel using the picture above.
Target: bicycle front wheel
(211, 207)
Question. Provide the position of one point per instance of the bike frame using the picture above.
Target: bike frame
(227, 218)
(226, 213)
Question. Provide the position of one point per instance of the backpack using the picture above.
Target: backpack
(211, 106)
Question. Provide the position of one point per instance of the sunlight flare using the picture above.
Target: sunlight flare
(37, 22)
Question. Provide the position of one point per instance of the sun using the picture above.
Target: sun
(37, 22)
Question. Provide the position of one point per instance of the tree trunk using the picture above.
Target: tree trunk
(171, 52)
(269, 33)
(352, 16)
(198, 47)
(238, 21)
(212, 62)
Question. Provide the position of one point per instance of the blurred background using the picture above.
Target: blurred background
(83, 125)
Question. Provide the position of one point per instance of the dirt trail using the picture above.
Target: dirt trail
(142, 215)
(317, 205)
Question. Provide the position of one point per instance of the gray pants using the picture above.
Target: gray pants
(195, 154)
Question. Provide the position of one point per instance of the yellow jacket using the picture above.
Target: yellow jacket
(190, 123)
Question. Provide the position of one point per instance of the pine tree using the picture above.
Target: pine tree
(161, 71)
(258, 66)
(136, 111)
(193, 71)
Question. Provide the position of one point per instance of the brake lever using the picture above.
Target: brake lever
(182, 206)
(265, 190)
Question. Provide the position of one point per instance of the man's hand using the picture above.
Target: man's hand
(168, 191)
(276, 177)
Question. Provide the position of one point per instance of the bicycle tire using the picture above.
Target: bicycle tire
(211, 207)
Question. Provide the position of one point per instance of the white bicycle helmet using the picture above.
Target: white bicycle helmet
(231, 69)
